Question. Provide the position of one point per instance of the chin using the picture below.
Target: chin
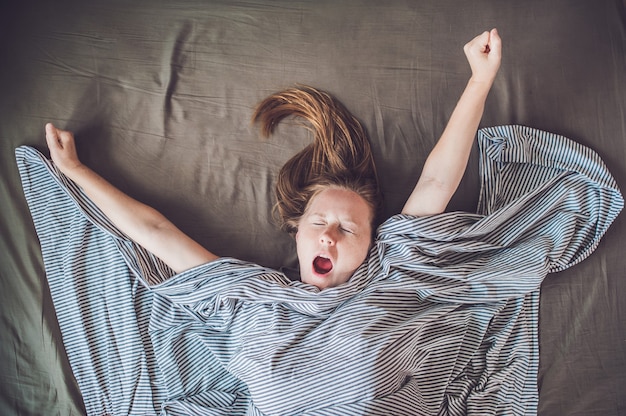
(324, 282)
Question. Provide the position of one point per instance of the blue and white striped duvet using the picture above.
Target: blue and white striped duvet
(441, 319)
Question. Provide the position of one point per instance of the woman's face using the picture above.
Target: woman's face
(334, 237)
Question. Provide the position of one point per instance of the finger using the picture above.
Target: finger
(483, 38)
(50, 129)
(52, 136)
(479, 44)
(63, 137)
(495, 42)
(484, 42)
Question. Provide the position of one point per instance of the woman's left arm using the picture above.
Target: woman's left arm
(445, 166)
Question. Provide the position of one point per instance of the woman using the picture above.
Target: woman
(334, 224)
(437, 315)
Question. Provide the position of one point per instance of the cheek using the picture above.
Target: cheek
(302, 237)
(360, 251)
(303, 242)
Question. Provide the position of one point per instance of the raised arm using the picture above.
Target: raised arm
(445, 166)
(143, 224)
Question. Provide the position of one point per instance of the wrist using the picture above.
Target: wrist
(74, 171)
(479, 86)
(481, 82)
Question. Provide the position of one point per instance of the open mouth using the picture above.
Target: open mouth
(322, 265)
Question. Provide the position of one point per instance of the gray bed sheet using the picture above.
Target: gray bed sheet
(160, 95)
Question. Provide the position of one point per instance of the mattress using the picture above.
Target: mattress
(160, 96)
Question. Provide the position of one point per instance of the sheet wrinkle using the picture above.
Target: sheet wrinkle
(458, 314)
(177, 62)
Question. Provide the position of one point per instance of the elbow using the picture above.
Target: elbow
(430, 197)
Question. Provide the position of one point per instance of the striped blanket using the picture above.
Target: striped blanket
(441, 319)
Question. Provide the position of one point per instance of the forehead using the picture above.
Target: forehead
(341, 202)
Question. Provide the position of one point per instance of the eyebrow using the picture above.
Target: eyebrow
(348, 222)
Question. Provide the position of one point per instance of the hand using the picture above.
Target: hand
(484, 53)
(62, 148)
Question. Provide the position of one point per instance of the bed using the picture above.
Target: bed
(160, 96)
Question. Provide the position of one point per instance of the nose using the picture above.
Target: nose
(328, 237)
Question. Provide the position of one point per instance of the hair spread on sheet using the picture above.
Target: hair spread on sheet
(340, 155)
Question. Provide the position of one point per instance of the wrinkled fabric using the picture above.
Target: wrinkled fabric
(442, 318)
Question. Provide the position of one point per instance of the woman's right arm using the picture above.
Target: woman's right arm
(143, 224)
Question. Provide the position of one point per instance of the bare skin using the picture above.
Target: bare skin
(334, 237)
(440, 178)
(143, 224)
(446, 163)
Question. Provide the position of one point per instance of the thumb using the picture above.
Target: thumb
(52, 135)
(495, 43)
(50, 129)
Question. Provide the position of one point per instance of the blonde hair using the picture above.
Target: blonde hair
(340, 155)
